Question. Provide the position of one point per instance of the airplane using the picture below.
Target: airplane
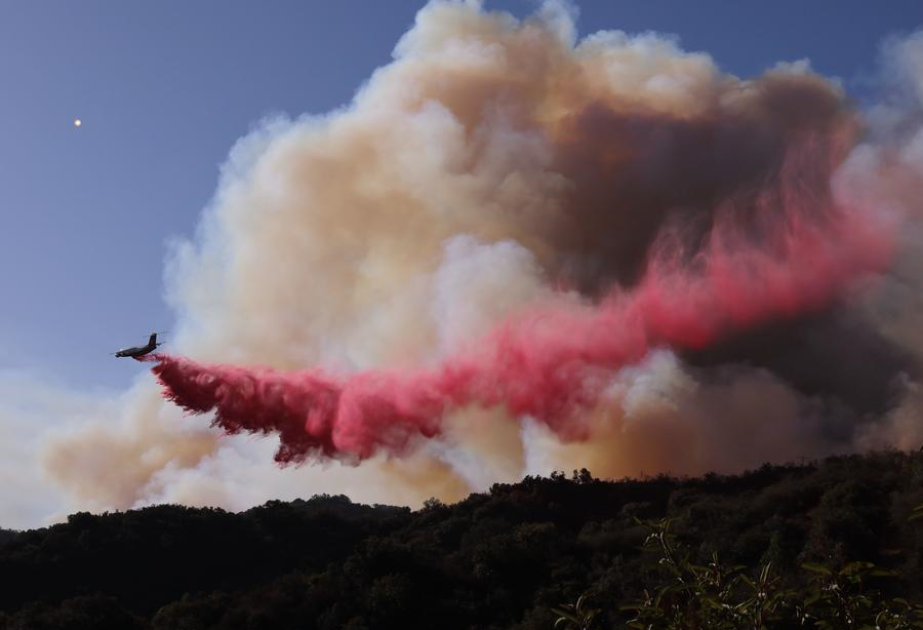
(140, 351)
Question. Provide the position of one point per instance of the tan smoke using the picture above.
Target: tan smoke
(494, 162)
(662, 419)
(112, 461)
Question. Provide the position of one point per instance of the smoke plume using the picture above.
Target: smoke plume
(552, 362)
(516, 251)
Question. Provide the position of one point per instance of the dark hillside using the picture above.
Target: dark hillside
(495, 560)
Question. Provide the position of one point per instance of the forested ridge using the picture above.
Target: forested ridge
(506, 558)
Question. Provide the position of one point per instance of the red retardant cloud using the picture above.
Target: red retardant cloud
(555, 361)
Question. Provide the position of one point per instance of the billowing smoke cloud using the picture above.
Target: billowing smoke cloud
(552, 363)
(538, 253)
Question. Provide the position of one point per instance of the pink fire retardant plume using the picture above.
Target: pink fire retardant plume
(555, 360)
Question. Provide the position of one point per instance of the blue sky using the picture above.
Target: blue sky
(165, 88)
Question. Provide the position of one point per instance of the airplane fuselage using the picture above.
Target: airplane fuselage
(139, 351)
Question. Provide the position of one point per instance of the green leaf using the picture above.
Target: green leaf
(564, 615)
(764, 573)
(712, 601)
(815, 567)
(856, 567)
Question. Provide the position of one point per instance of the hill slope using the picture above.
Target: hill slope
(496, 560)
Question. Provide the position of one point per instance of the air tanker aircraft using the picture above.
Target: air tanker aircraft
(140, 351)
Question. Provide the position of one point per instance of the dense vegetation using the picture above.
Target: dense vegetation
(516, 557)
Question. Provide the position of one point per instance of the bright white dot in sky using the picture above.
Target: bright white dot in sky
(77, 122)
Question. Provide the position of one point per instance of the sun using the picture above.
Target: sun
(77, 122)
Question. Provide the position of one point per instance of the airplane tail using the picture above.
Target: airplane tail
(153, 340)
